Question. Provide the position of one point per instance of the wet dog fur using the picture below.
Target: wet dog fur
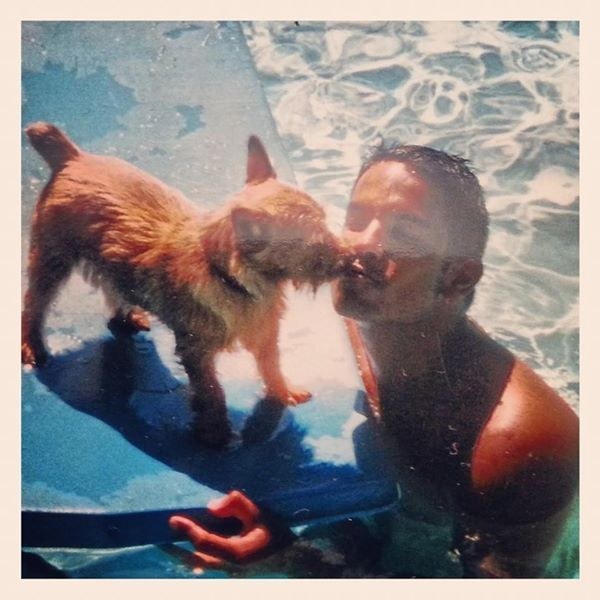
(215, 279)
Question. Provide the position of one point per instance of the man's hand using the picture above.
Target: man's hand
(212, 549)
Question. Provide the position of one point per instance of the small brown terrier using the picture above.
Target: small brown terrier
(213, 279)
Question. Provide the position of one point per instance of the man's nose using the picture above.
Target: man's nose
(370, 239)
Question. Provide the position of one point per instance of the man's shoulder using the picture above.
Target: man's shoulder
(531, 425)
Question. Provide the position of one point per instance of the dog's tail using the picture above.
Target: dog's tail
(54, 146)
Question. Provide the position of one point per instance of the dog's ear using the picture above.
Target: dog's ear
(249, 225)
(259, 167)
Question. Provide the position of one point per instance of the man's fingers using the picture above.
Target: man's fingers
(201, 538)
(246, 546)
(236, 505)
(236, 547)
(254, 537)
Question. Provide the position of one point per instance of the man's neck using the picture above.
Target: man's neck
(401, 352)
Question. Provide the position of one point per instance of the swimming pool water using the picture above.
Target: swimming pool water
(504, 95)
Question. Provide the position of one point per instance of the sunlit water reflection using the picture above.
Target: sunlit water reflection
(503, 95)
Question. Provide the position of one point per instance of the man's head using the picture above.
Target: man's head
(416, 228)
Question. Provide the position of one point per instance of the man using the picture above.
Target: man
(473, 432)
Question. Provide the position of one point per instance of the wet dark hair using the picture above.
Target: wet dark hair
(456, 186)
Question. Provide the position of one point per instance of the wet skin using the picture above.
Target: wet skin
(474, 433)
(472, 430)
(396, 231)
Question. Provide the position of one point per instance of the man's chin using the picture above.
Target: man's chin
(358, 300)
(348, 303)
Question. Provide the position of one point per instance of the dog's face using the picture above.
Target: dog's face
(280, 231)
(286, 238)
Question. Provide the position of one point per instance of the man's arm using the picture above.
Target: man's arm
(524, 476)
(512, 533)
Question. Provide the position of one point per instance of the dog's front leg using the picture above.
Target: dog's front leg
(264, 345)
(207, 398)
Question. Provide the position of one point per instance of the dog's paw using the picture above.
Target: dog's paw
(33, 357)
(138, 320)
(291, 396)
(130, 324)
(298, 396)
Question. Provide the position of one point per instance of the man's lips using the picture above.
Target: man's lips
(379, 270)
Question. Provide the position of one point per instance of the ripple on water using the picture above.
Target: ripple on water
(494, 65)
(532, 29)
(500, 102)
(388, 78)
(459, 65)
(539, 58)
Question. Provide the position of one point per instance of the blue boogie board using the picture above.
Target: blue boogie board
(108, 453)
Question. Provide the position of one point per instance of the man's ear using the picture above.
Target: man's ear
(258, 168)
(248, 224)
(461, 276)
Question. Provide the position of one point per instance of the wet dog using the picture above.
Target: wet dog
(214, 279)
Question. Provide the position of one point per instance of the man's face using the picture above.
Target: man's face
(396, 236)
